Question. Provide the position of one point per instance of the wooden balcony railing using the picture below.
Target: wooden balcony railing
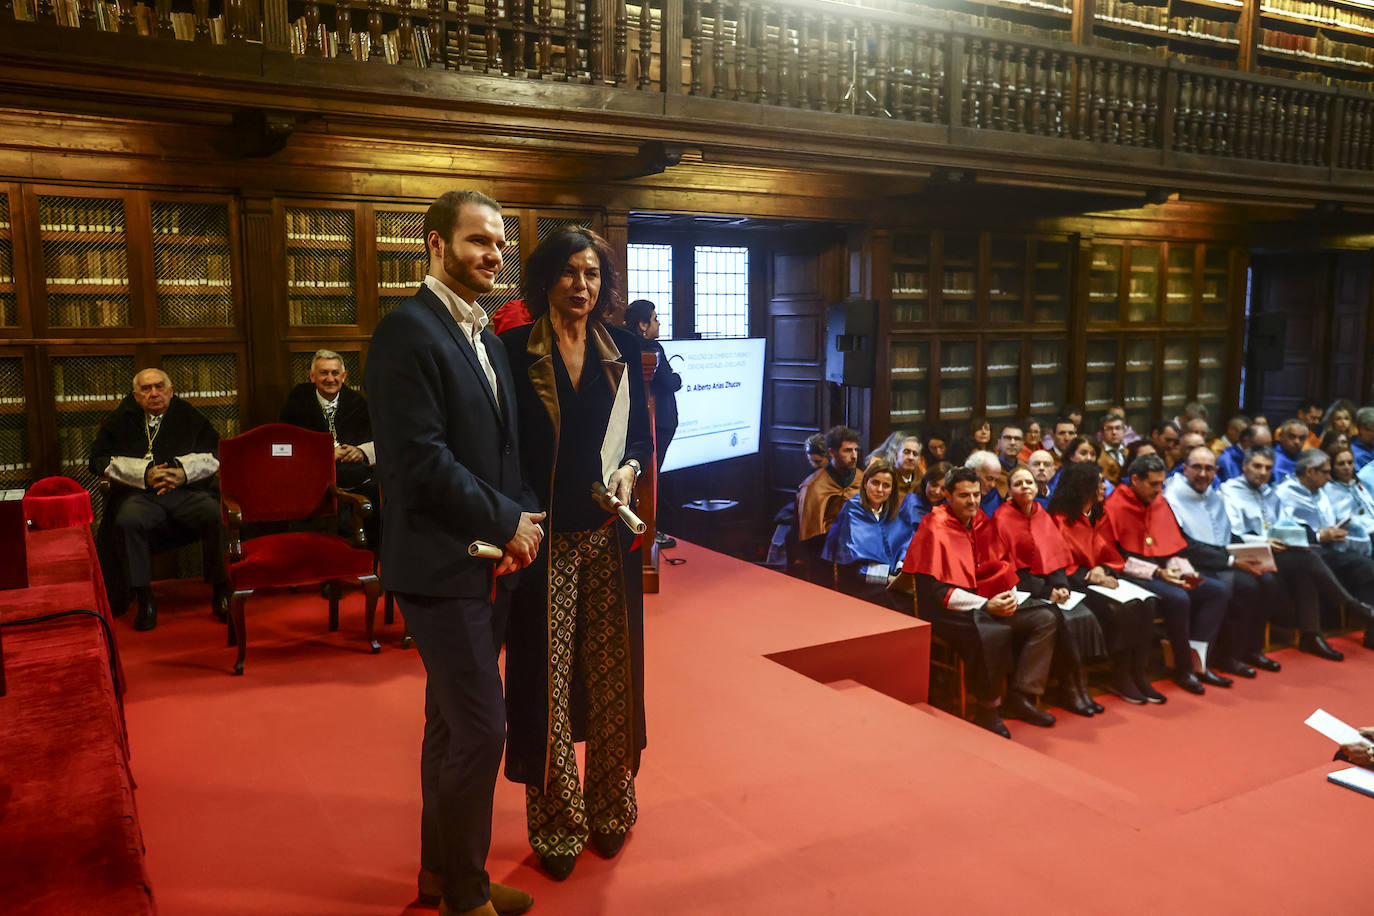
(812, 55)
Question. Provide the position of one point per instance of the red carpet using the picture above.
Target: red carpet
(294, 790)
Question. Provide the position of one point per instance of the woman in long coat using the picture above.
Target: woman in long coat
(575, 647)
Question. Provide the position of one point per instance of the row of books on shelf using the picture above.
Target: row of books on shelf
(71, 215)
(104, 266)
(315, 269)
(74, 441)
(1201, 27)
(1024, 29)
(1125, 11)
(13, 451)
(409, 271)
(65, 312)
(319, 225)
(203, 268)
(1314, 76)
(909, 283)
(312, 312)
(1131, 47)
(1322, 13)
(1318, 47)
(167, 218)
(97, 379)
(959, 282)
(68, 13)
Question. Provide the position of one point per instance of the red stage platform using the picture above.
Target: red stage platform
(294, 790)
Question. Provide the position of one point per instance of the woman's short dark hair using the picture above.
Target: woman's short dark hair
(935, 474)
(641, 311)
(546, 264)
(1077, 443)
(1077, 481)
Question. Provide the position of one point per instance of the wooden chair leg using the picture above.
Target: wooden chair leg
(372, 589)
(237, 633)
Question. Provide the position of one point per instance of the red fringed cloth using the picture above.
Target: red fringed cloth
(57, 502)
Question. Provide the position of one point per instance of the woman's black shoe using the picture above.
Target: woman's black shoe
(1216, 680)
(1231, 666)
(608, 844)
(1260, 660)
(1315, 644)
(1123, 685)
(558, 866)
(1190, 683)
(1147, 690)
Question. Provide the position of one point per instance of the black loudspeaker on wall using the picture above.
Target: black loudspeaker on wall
(851, 343)
(1264, 349)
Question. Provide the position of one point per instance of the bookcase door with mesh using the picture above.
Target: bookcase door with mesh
(9, 305)
(321, 267)
(16, 468)
(86, 261)
(192, 264)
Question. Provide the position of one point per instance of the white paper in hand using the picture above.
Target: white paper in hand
(1073, 600)
(1335, 729)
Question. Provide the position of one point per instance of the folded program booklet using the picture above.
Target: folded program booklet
(1357, 778)
(1260, 553)
(1124, 593)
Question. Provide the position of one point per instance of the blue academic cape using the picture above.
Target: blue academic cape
(858, 537)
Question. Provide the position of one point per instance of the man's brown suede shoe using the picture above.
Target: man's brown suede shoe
(505, 901)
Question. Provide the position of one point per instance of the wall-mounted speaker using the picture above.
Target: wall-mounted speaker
(851, 350)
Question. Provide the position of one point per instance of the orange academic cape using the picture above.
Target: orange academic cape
(819, 501)
(1145, 530)
(966, 558)
(1031, 541)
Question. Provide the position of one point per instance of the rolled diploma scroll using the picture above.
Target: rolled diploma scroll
(484, 551)
(626, 514)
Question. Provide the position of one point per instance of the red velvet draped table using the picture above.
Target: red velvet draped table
(70, 841)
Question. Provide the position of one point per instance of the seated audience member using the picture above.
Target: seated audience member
(1135, 449)
(1032, 434)
(1201, 513)
(1061, 435)
(326, 404)
(1339, 416)
(1197, 426)
(1142, 528)
(1305, 499)
(1164, 437)
(1309, 414)
(1234, 427)
(1131, 435)
(1081, 449)
(821, 496)
(887, 451)
(967, 592)
(1350, 498)
(1128, 624)
(1230, 461)
(1043, 469)
(980, 431)
(1260, 419)
(990, 478)
(1070, 412)
(158, 452)
(1333, 441)
(1112, 438)
(868, 541)
(909, 467)
(1032, 543)
(1009, 448)
(1291, 442)
(1252, 507)
(1362, 437)
(815, 451)
(1193, 410)
(936, 441)
(929, 493)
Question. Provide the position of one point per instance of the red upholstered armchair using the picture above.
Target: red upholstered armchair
(277, 473)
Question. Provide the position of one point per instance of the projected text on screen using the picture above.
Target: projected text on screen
(720, 404)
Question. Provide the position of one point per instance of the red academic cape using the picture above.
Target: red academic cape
(1087, 546)
(1145, 530)
(950, 553)
(1031, 541)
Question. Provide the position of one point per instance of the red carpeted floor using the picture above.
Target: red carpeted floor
(294, 789)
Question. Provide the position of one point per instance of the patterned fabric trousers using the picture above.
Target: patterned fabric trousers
(588, 641)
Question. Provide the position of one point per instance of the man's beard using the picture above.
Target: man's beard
(467, 277)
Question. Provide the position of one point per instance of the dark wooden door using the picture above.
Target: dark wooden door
(797, 399)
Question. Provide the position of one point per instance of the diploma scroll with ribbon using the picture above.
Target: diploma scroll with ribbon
(484, 551)
(632, 521)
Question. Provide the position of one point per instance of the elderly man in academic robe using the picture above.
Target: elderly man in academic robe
(821, 496)
(1292, 441)
(1142, 528)
(1201, 513)
(1232, 458)
(158, 452)
(910, 468)
(326, 404)
(966, 588)
(1234, 427)
(1252, 507)
(1362, 438)
(1305, 501)
(992, 481)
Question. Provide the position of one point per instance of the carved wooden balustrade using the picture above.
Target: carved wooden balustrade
(808, 55)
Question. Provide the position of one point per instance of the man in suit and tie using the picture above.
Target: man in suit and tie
(443, 423)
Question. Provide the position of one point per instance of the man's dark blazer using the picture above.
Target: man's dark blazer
(351, 423)
(447, 456)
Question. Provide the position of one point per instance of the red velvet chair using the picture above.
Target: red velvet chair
(278, 473)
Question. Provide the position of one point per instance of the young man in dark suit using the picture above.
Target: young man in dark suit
(440, 396)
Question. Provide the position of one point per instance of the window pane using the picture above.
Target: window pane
(722, 291)
(651, 277)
